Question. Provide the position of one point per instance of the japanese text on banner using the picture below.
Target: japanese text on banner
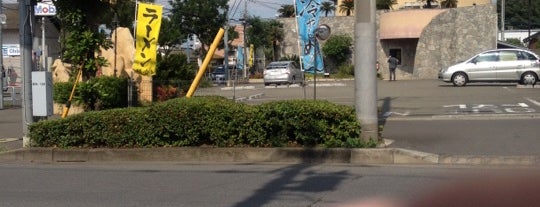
(308, 13)
(148, 26)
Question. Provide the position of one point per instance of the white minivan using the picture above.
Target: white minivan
(283, 72)
(501, 65)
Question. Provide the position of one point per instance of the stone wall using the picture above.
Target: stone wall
(452, 36)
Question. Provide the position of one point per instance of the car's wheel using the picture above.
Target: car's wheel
(459, 79)
(528, 78)
(266, 84)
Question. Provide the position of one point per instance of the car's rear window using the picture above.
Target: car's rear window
(526, 56)
(277, 66)
(508, 56)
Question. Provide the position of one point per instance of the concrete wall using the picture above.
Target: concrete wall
(452, 36)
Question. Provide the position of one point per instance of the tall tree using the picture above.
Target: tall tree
(449, 3)
(385, 4)
(517, 14)
(200, 17)
(286, 10)
(347, 6)
(276, 35)
(428, 3)
(327, 7)
(82, 40)
(265, 33)
(169, 36)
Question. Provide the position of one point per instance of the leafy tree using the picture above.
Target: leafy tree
(82, 41)
(265, 33)
(174, 67)
(200, 17)
(514, 41)
(169, 37)
(125, 11)
(449, 3)
(287, 10)
(327, 7)
(517, 14)
(256, 32)
(337, 48)
(347, 6)
(385, 4)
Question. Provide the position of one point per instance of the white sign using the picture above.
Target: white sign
(42, 93)
(11, 50)
(43, 9)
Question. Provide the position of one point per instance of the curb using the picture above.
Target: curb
(377, 156)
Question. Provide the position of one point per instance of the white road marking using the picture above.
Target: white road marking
(390, 113)
(533, 101)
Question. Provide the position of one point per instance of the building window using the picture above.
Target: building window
(397, 54)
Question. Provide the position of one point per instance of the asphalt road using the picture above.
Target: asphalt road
(201, 185)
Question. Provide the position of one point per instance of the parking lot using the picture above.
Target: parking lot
(405, 99)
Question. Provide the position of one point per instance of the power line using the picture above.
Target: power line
(235, 6)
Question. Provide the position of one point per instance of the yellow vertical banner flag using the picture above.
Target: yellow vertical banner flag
(148, 26)
(251, 55)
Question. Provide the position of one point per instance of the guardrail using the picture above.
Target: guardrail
(13, 94)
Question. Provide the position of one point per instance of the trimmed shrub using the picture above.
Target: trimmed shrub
(96, 94)
(206, 121)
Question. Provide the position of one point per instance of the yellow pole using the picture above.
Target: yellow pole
(68, 104)
(205, 63)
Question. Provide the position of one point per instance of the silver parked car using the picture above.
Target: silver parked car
(283, 72)
(501, 65)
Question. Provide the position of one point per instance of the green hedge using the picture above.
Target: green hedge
(95, 94)
(206, 121)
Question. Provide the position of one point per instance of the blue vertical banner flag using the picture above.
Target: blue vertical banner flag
(240, 58)
(308, 14)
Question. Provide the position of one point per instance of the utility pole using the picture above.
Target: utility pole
(365, 49)
(2, 71)
(502, 19)
(529, 20)
(25, 38)
(245, 40)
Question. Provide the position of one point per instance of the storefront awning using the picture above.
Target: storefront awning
(406, 24)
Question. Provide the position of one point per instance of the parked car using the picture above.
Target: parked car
(283, 72)
(501, 65)
(219, 75)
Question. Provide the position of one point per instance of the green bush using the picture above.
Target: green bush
(338, 48)
(96, 94)
(61, 92)
(206, 121)
(345, 71)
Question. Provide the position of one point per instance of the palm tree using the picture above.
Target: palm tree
(449, 3)
(347, 6)
(276, 35)
(286, 10)
(327, 7)
(428, 3)
(385, 4)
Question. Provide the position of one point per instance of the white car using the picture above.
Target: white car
(501, 65)
(283, 72)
